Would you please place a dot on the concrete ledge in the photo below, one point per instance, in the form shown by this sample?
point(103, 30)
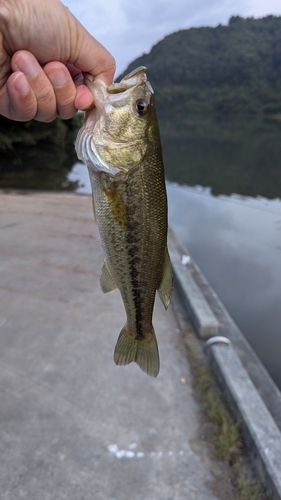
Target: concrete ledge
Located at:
point(257, 425)
point(201, 315)
point(251, 393)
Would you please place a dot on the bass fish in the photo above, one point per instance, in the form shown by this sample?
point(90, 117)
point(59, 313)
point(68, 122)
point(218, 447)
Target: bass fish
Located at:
point(120, 144)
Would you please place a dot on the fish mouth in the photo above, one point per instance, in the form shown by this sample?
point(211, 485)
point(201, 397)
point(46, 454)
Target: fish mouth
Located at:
point(136, 76)
point(103, 93)
point(133, 79)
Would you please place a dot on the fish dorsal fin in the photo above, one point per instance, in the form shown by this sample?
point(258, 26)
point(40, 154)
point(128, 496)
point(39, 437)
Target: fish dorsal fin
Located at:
point(107, 282)
point(166, 286)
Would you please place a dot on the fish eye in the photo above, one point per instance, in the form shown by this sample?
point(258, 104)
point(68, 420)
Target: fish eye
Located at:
point(141, 107)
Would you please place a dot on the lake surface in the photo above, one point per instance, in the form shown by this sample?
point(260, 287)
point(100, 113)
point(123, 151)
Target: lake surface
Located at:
point(236, 241)
point(234, 238)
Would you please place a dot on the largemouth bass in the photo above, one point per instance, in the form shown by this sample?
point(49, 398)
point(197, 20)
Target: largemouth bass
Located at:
point(120, 143)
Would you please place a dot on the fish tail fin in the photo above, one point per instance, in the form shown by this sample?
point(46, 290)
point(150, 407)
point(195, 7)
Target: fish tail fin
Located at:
point(144, 352)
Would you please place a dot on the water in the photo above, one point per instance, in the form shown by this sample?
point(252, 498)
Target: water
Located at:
point(234, 238)
point(236, 241)
point(45, 167)
point(79, 174)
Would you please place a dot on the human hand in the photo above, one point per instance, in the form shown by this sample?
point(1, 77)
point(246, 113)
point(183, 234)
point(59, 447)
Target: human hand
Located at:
point(43, 52)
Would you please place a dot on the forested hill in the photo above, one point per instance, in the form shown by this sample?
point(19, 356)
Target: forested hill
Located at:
point(221, 72)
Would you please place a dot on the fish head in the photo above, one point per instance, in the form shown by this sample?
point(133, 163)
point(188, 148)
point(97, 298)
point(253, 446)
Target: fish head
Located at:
point(116, 133)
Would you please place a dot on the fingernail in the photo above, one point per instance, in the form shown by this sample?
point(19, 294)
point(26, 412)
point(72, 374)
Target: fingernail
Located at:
point(27, 65)
point(21, 84)
point(57, 77)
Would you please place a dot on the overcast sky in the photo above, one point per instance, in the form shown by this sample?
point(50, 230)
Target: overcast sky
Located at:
point(128, 28)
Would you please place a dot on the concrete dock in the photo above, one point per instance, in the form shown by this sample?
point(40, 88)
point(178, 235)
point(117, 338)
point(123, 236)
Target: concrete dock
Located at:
point(73, 425)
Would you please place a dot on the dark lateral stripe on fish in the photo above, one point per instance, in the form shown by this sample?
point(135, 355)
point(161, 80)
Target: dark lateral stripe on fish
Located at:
point(134, 275)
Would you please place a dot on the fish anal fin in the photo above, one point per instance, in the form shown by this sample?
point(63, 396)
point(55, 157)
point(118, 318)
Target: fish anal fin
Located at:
point(144, 352)
point(107, 282)
point(166, 286)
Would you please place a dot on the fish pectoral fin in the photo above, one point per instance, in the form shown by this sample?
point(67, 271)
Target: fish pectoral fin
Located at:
point(144, 352)
point(107, 282)
point(166, 286)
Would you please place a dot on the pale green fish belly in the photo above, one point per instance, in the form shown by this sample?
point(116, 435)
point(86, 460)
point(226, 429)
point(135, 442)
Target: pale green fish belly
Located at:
point(132, 220)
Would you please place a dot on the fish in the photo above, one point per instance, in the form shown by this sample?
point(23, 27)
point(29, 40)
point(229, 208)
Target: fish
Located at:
point(119, 142)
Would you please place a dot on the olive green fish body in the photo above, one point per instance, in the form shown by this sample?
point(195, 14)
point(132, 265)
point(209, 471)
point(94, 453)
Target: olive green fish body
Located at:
point(130, 206)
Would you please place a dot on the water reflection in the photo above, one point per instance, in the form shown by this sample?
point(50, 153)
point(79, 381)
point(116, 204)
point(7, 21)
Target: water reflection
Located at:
point(79, 174)
point(236, 242)
point(234, 157)
point(45, 168)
